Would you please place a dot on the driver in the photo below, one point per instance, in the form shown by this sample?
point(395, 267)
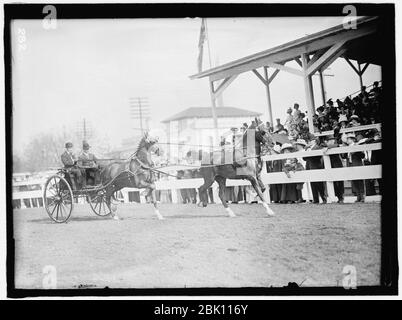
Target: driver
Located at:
point(87, 161)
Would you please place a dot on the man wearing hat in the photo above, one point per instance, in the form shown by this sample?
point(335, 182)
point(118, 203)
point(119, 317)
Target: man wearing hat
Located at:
point(354, 121)
point(300, 145)
point(336, 162)
point(355, 160)
point(279, 126)
point(87, 161)
point(69, 161)
point(312, 163)
point(289, 192)
point(275, 190)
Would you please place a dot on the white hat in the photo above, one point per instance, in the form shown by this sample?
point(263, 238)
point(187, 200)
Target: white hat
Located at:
point(350, 135)
point(354, 116)
point(342, 118)
point(361, 141)
point(277, 148)
point(302, 142)
point(286, 146)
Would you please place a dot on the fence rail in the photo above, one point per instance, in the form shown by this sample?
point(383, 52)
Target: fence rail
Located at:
point(328, 174)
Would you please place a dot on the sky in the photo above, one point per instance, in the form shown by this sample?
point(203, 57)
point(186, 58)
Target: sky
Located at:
point(90, 68)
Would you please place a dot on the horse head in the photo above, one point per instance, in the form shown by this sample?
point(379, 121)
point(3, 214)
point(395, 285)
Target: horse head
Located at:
point(150, 142)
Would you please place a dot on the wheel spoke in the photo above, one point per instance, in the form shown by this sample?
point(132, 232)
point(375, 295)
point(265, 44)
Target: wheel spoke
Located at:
point(57, 214)
point(66, 208)
point(54, 209)
point(51, 203)
point(56, 186)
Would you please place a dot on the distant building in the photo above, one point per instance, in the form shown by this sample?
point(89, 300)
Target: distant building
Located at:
point(194, 126)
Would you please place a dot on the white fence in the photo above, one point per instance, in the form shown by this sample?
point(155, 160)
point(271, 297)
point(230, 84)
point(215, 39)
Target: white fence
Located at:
point(328, 174)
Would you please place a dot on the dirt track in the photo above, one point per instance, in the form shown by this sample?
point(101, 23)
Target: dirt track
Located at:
point(200, 247)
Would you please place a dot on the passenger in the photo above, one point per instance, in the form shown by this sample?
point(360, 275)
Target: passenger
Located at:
point(69, 161)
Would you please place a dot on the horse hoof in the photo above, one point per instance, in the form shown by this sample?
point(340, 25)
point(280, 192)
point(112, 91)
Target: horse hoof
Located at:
point(158, 214)
point(269, 210)
point(230, 212)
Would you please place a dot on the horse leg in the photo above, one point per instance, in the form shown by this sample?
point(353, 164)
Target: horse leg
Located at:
point(203, 191)
point(222, 185)
point(254, 183)
point(155, 203)
point(258, 174)
point(113, 208)
point(151, 193)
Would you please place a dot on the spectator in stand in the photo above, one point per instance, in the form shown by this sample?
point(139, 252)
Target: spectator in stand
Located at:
point(354, 121)
point(269, 128)
point(289, 191)
point(275, 190)
point(296, 113)
point(313, 163)
point(375, 155)
point(289, 119)
point(355, 160)
point(279, 126)
point(375, 92)
point(336, 162)
point(293, 133)
point(300, 145)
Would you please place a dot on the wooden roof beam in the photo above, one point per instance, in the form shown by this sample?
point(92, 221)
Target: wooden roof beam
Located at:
point(225, 83)
point(330, 53)
point(287, 55)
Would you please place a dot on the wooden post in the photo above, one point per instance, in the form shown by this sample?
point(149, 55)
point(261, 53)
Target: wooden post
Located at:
point(330, 184)
point(213, 105)
point(173, 193)
point(323, 94)
point(271, 119)
point(308, 87)
point(360, 73)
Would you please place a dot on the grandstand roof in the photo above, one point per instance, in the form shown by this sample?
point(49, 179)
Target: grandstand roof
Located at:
point(206, 112)
point(361, 45)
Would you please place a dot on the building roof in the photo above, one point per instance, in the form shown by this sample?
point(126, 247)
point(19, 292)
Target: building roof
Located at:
point(363, 37)
point(206, 112)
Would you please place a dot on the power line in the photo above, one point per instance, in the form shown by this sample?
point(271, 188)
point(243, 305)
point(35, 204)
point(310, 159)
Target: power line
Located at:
point(139, 110)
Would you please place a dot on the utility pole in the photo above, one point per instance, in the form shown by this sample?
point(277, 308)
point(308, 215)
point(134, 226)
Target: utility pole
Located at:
point(139, 110)
point(84, 129)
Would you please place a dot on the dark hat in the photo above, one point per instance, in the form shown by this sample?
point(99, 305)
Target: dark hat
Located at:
point(85, 145)
point(320, 109)
point(330, 101)
point(69, 145)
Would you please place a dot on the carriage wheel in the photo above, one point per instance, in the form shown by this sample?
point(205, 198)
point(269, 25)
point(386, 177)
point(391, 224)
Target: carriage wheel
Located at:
point(99, 204)
point(58, 199)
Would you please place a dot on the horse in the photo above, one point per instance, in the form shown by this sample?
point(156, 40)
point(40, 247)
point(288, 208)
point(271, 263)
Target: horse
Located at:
point(241, 165)
point(134, 173)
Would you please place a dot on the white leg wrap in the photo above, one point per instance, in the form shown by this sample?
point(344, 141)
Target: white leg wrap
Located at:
point(268, 209)
point(230, 212)
point(158, 214)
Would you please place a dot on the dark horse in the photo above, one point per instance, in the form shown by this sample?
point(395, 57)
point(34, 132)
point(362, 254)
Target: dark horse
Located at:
point(235, 164)
point(133, 173)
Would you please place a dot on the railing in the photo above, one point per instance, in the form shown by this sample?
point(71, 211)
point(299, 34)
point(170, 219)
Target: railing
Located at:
point(328, 174)
point(351, 129)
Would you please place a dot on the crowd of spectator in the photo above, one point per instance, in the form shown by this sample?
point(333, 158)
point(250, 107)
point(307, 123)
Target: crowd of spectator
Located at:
point(362, 109)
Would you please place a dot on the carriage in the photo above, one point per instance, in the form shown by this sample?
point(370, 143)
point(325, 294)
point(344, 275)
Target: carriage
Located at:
point(62, 190)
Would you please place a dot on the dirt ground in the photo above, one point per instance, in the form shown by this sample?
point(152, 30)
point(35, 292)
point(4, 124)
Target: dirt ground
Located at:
point(200, 247)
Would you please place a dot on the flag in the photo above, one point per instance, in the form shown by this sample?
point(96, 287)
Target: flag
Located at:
point(201, 44)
